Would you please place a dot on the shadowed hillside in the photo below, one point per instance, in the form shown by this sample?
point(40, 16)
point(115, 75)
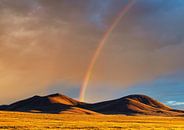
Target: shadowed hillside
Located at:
point(133, 105)
point(55, 103)
point(129, 105)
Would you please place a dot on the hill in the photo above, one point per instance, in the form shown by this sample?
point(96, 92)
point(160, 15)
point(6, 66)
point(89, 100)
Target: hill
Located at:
point(57, 103)
point(133, 105)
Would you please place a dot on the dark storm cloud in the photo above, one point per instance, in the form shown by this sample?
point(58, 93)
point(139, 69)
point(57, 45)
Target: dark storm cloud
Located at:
point(43, 42)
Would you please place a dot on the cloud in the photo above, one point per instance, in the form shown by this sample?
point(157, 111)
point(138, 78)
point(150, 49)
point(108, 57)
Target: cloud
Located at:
point(174, 103)
point(44, 42)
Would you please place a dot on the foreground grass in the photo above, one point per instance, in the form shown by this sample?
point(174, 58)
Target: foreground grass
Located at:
point(23, 121)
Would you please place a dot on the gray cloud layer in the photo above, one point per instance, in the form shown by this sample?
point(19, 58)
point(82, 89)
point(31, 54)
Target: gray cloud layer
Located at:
point(43, 42)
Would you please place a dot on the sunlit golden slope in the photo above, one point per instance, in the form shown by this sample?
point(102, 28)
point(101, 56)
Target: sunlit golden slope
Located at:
point(21, 121)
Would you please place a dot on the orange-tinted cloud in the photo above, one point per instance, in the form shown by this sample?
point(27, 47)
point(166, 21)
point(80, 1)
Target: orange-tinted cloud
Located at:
point(46, 42)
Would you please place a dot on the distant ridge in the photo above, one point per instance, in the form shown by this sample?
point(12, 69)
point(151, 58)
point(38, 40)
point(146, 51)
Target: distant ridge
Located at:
point(58, 103)
point(55, 103)
point(133, 105)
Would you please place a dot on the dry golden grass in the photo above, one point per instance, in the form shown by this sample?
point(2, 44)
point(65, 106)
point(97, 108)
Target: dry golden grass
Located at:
point(23, 121)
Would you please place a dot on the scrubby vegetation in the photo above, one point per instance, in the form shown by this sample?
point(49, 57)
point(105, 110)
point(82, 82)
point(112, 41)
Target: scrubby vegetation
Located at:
point(19, 120)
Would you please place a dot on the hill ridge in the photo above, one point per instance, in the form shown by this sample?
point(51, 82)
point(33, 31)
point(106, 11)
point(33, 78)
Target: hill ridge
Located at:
point(136, 104)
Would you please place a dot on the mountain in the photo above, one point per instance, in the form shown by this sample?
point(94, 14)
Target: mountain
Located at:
point(133, 105)
point(55, 103)
point(129, 105)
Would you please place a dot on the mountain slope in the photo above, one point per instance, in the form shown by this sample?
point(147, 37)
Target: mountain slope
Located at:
point(55, 103)
point(129, 105)
point(133, 105)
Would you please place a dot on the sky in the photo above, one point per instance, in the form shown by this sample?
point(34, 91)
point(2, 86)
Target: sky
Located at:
point(46, 47)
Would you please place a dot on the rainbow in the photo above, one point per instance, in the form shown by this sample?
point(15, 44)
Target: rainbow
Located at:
point(100, 47)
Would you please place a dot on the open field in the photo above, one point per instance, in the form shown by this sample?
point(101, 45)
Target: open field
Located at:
point(16, 120)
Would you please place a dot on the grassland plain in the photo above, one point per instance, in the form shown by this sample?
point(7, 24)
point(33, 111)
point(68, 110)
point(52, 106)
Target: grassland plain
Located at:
point(29, 121)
